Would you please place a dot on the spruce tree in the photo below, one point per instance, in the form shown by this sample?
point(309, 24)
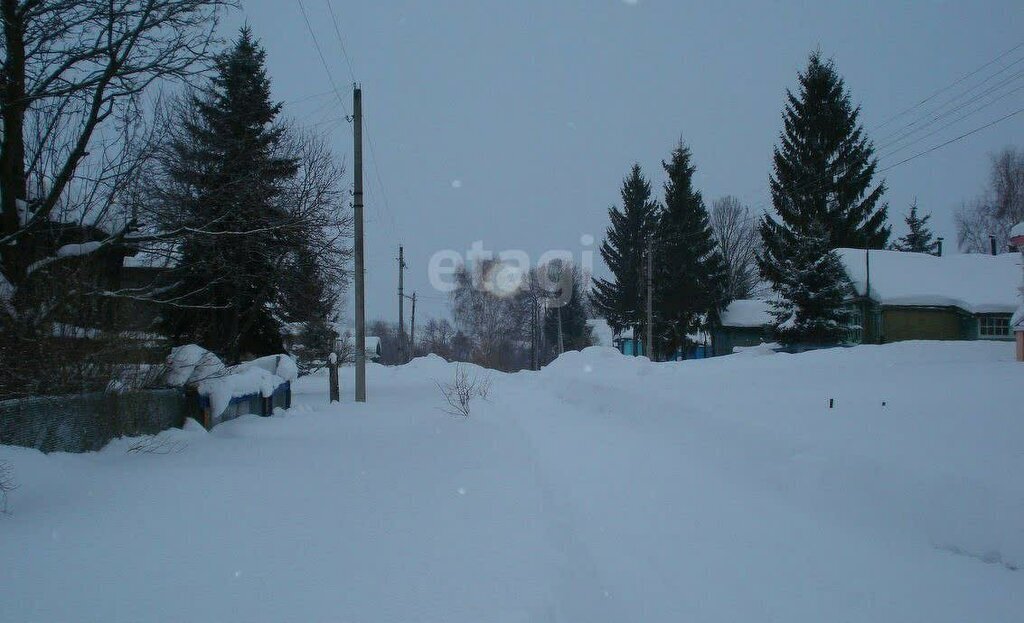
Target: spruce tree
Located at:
point(226, 161)
point(690, 274)
point(919, 238)
point(823, 170)
point(620, 300)
point(809, 308)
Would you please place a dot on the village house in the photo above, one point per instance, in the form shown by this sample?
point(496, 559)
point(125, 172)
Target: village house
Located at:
point(744, 323)
point(916, 296)
point(897, 296)
point(908, 296)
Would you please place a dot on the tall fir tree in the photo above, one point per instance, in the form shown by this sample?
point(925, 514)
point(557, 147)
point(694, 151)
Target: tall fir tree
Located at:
point(690, 274)
point(620, 300)
point(810, 306)
point(227, 162)
point(919, 238)
point(823, 170)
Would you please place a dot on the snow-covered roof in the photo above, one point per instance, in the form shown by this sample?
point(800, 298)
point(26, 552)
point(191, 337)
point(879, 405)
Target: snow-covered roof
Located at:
point(372, 342)
point(747, 313)
point(1017, 231)
point(974, 282)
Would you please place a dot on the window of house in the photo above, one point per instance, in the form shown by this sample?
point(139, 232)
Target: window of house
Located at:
point(994, 326)
point(855, 332)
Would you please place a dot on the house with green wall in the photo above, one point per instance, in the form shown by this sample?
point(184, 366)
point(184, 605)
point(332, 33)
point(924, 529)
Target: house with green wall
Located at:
point(744, 323)
point(916, 296)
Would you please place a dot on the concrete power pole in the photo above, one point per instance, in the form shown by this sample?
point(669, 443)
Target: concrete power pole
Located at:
point(533, 336)
point(357, 207)
point(561, 348)
point(542, 337)
point(412, 328)
point(649, 338)
point(401, 304)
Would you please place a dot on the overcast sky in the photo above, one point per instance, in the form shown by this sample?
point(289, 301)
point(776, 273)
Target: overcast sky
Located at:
point(514, 122)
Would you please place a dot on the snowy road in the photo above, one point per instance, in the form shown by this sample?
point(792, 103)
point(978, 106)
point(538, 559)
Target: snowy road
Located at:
point(600, 489)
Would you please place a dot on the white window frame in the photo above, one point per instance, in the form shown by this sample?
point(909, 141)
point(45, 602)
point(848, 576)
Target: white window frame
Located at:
point(994, 319)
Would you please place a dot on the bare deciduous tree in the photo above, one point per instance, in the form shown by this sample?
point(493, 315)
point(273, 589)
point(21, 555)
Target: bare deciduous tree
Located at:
point(437, 338)
point(738, 240)
point(74, 73)
point(75, 133)
point(997, 209)
point(462, 390)
point(492, 305)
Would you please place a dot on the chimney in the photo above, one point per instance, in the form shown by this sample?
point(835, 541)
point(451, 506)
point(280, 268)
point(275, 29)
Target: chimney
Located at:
point(992, 243)
point(939, 253)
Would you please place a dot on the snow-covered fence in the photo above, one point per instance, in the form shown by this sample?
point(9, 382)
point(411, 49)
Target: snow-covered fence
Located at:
point(201, 387)
point(86, 422)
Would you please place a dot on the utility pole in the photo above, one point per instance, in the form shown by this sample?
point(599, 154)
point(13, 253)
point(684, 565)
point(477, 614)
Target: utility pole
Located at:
point(412, 328)
point(649, 344)
point(357, 208)
point(401, 304)
point(561, 349)
point(533, 336)
point(543, 331)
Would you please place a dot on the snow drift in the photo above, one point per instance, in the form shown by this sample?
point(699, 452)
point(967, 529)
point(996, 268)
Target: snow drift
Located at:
point(603, 488)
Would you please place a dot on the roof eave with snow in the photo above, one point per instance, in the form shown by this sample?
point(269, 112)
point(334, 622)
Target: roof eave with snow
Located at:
point(975, 283)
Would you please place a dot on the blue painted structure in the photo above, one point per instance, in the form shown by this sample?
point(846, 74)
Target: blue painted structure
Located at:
point(255, 404)
point(629, 346)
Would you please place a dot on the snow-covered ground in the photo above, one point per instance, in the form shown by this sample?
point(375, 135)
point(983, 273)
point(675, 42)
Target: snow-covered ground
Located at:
point(603, 488)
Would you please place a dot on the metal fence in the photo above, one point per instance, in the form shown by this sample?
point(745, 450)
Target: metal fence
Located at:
point(86, 422)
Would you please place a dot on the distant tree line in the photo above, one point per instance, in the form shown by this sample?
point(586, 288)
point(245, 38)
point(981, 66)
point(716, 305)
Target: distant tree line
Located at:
point(504, 316)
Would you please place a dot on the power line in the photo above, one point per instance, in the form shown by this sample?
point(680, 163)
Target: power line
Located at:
point(904, 131)
point(951, 123)
point(762, 204)
point(953, 140)
point(369, 135)
point(299, 100)
point(323, 60)
point(951, 85)
point(936, 114)
point(341, 42)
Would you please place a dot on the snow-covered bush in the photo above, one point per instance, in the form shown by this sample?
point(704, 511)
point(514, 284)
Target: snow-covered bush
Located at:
point(461, 391)
point(190, 364)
